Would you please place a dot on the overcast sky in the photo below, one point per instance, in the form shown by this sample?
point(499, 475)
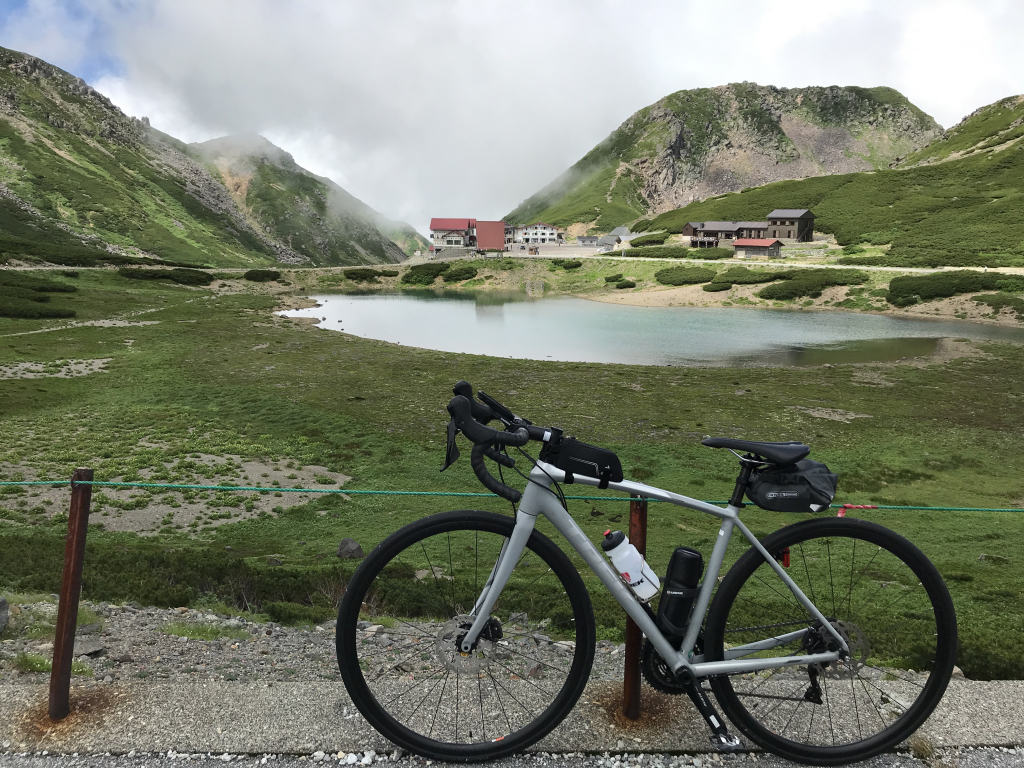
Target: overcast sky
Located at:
point(445, 108)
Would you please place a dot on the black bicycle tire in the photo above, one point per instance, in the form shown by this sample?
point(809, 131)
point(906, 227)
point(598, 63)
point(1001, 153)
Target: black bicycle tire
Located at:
point(386, 724)
point(946, 646)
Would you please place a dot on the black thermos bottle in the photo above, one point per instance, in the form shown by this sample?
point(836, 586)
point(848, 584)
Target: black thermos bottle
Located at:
point(680, 590)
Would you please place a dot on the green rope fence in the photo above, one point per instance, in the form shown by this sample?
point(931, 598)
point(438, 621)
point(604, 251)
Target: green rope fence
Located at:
point(354, 492)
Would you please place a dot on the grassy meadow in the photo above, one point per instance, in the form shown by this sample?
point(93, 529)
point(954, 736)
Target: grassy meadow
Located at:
point(200, 382)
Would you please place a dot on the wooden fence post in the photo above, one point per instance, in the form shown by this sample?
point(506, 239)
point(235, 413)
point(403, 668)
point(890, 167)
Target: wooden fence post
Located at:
point(70, 591)
point(634, 638)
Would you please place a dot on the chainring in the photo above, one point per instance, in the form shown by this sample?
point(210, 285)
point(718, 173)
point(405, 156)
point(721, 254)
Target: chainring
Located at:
point(657, 672)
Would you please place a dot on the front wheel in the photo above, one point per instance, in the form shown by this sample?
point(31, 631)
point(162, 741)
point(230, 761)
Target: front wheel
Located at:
point(406, 609)
point(886, 600)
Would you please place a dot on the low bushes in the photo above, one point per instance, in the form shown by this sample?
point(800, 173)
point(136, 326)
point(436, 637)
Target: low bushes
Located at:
point(568, 264)
point(810, 282)
point(368, 275)
point(262, 275)
point(21, 296)
point(613, 278)
point(744, 276)
point(641, 226)
point(717, 287)
point(910, 289)
point(460, 272)
point(930, 259)
point(658, 252)
point(1000, 301)
point(625, 284)
point(656, 239)
point(180, 276)
point(425, 274)
point(294, 613)
point(684, 275)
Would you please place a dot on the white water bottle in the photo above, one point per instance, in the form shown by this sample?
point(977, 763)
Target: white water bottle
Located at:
point(630, 565)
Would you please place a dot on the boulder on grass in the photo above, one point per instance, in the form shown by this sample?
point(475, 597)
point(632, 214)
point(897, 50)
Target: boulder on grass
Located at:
point(349, 549)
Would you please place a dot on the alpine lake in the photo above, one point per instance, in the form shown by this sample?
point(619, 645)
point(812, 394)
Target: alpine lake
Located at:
point(514, 325)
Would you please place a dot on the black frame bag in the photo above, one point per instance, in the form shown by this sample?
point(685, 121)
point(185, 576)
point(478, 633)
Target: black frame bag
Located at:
point(806, 486)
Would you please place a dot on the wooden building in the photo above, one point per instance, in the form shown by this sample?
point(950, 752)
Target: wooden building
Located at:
point(791, 224)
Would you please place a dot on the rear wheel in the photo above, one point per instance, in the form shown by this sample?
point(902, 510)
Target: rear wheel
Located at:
point(409, 604)
point(887, 601)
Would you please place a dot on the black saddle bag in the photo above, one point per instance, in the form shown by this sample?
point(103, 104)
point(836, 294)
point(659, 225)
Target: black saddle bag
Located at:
point(806, 486)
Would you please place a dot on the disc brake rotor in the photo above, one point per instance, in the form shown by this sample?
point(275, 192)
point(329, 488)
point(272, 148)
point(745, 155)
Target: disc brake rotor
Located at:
point(845, 667)
point(446, 648)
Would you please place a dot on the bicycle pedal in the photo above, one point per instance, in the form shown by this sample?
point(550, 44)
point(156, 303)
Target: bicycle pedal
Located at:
point(726, 742)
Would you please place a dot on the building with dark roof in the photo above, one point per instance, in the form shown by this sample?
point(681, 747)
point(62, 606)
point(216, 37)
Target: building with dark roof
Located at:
point(791, 224)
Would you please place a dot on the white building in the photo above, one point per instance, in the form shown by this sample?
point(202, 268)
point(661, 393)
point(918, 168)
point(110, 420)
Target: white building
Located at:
point(539, 233)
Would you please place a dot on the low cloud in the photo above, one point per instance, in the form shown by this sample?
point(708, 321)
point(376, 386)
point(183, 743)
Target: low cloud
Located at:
point(465, 108)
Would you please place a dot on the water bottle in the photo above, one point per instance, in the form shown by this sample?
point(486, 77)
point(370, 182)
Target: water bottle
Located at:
point(685, 568)
point(632, 567)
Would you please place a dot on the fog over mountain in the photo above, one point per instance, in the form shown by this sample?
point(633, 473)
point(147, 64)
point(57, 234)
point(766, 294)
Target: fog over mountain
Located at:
point(466, 108)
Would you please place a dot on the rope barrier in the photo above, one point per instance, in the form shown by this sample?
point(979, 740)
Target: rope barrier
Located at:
point(354, 492)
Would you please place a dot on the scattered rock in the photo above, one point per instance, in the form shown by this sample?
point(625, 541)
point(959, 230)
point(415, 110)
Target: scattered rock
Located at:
point(984, 558)
point(957, 672)
point(87, 629)
point(349, 549)
point(274, 561)
point(89, 646)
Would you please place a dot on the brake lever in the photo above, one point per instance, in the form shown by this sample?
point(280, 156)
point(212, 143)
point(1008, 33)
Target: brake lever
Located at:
point(451, 453)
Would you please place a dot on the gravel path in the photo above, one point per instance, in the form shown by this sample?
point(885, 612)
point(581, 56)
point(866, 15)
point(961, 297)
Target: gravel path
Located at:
point(956, 758)
point(128, 642)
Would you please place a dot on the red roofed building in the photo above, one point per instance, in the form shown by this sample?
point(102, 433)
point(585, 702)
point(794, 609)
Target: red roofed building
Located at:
point(751, 248)
point(453, 233)
point(490, 235)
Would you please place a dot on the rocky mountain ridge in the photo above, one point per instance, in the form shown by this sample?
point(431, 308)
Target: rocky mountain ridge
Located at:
point(80, 181)
point(699, 143)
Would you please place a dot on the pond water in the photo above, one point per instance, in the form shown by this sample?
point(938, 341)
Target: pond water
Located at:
point(577, 330)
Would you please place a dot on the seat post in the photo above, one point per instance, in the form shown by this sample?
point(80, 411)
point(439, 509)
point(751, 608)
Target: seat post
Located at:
point(741, 484)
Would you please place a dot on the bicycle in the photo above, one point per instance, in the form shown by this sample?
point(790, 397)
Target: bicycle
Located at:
point(468, 635)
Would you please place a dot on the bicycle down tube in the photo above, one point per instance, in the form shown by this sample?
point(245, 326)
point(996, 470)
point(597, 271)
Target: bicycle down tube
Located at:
point(539, 500)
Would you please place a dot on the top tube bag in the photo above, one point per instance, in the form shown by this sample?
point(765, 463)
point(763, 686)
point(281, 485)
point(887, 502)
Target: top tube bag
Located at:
point(806, 486)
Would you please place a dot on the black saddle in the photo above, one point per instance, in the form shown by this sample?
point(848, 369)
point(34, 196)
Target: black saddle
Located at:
point(773, 453)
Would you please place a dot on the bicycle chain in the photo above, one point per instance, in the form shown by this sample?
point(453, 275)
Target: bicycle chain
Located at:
point(657, 673)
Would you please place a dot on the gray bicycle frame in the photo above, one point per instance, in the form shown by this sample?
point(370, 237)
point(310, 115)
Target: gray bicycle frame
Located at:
point(538, 499)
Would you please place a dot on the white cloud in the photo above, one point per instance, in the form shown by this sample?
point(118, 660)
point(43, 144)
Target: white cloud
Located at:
point(460, 107)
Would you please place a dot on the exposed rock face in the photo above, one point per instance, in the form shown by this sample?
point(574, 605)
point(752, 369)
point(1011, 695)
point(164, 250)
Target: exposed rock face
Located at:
point(696, 144)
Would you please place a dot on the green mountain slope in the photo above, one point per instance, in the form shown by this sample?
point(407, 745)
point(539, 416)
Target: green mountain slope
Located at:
point(82, 183)
point(984, 130)
point(693, 144)
point(963, 211)
point(310, 214)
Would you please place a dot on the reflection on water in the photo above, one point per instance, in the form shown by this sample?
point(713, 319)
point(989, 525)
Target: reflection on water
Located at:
point(512, 324)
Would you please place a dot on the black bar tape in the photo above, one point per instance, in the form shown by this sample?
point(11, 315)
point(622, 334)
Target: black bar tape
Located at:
point(495, 455)
point(476, 461)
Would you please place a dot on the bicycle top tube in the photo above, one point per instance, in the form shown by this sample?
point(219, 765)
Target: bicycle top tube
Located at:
point(543, 472)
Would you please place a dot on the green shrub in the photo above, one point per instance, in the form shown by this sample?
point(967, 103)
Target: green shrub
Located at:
point(13, 307)
point(388, 272)
point(207, 632)
point(69, 273)
point(362, 275)
point(625, 284)
point(613, 278)
point(655, 239)
point(425, 274)
point(11, 282)
point(910, 289)
point(459, 272)
point(744, 276)
point(659, 252)
point(568, 264)
point(717, 287)
point(640, 226)
point(1001, 301)
point(849, 250)
point(810, 282)
point(715, 254)
point(180, 276)
point(293, 613)
point(684, 275)
point(262, 275)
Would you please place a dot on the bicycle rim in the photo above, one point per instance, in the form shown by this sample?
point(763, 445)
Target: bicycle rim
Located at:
point(890, 605)
point(409, 604)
